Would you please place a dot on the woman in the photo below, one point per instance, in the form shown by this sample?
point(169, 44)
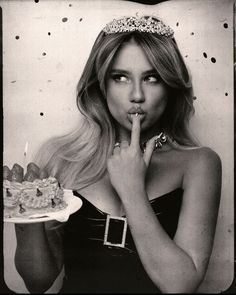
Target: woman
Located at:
point(150, 194)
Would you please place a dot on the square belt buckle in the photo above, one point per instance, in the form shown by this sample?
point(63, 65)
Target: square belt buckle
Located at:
point(115, 231)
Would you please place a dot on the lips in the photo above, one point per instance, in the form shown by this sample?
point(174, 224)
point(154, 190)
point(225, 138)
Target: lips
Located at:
point(136, 111)
point(133, 111)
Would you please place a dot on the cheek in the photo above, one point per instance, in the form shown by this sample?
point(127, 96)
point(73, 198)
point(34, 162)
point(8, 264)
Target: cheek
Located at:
point(113, 106)
point(158, 99)
point(115, 99)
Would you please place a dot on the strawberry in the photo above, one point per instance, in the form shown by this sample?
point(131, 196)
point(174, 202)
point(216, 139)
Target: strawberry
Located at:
point(43, 174)
point(33, 167)
point(30, 176)
point(7, 174)
point(17, 173)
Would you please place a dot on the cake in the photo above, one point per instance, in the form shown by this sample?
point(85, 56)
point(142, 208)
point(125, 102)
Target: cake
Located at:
point(30, 193)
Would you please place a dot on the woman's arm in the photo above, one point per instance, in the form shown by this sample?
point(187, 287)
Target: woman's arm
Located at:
point(179, 265)
point(38, 256)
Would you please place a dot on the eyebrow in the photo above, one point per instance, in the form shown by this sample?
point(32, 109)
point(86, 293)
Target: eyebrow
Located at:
point(120, 71)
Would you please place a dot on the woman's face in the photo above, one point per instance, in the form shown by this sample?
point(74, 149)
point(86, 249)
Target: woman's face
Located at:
point(134, 86)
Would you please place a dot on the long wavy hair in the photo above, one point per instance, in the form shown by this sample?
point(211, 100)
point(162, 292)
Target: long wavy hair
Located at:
point(79, 158)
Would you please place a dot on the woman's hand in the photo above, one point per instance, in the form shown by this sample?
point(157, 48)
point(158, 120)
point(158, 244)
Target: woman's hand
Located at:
point(128, 165)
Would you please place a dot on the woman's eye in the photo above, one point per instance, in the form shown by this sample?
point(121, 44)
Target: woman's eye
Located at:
point(152, 79)
point(120, 78)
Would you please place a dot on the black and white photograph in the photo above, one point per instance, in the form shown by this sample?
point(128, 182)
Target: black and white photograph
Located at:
point(118, 146)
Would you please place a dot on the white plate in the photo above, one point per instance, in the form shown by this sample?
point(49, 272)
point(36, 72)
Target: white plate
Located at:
point(73, 204)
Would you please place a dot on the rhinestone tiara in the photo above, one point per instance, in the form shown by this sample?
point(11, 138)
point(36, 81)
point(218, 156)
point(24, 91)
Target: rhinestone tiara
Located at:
point(141, 24)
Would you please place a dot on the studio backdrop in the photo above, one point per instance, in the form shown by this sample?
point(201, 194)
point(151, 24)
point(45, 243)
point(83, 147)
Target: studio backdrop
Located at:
point(45, 47)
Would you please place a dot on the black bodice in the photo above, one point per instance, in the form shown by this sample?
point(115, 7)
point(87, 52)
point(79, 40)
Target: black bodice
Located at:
point(92, 267)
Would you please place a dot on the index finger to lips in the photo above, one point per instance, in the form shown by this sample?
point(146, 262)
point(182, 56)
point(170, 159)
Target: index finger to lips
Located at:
point(135, 132)
point(116, 148)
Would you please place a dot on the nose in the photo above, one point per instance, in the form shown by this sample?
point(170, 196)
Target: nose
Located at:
point(137, 94)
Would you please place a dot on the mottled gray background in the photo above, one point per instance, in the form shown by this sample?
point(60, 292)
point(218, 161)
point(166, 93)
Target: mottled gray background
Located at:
point(45, 46)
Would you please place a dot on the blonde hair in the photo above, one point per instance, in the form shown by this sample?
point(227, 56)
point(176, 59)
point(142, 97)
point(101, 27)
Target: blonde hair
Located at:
point(79, 158)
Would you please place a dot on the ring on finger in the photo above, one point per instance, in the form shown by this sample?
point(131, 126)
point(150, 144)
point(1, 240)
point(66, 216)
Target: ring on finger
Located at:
point(117, 145)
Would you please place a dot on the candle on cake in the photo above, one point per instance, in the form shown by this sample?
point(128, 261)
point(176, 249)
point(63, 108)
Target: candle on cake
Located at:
point(25, 156)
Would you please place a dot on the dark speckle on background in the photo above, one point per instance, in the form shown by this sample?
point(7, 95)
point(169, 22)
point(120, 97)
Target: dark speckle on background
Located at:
point(70, 5)
point(80, 19)
point(226, 94)
point(41, 114)
point(17, 37)
point(49, 33)
point(186, 55)
point(204, 54)
point(13, 81)
point(192, 33)
point(49, 80)
point(36, 1)
point(44, 53)
point(177, 24)
point(213, 59)
point(65, 19)
point(225, 25)
point(194, 97)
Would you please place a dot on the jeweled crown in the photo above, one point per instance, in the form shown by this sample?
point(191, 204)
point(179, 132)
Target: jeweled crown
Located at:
point(142, 24)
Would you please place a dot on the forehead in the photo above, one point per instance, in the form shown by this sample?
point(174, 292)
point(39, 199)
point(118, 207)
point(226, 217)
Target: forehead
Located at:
point(131, 56)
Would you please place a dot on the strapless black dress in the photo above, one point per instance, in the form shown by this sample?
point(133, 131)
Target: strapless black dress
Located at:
point(92, 267)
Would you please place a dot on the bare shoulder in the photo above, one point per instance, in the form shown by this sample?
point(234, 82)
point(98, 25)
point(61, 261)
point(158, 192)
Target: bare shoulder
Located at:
point(203, 154)
point(204, 157)
point(203, 167)
point(191, 158)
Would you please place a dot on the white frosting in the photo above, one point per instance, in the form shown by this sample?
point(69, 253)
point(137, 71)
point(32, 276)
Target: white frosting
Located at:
point(37, 183)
